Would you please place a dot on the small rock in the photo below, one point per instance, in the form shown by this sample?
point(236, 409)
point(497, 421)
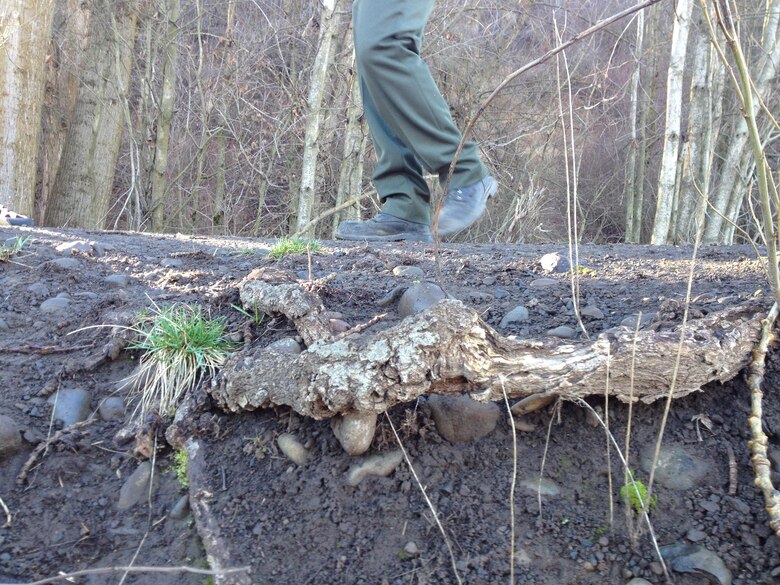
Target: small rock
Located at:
point(546, 487)
point(522, 558)
point(691, 558)
point(55, 305)
point(76, 247)
point(554, 262)
point(180, 509)
point(112, 408)
point(460, 419)
point(38, 289)
point(631, 321)
point(677, 468)
point(709, 506)
point(136, 487)
point(71, 405)
point(564, 332)
point(419, 297)
point(354, 431)
point(696, 535)
point(592, 311)
point(116, 280)
point(532, 403)
point(292, 448)
point(412, 272)
point(489, 280)
point(543, 283)
point(172, 262)
point(639, 581)
point(516, 315)
point(376, 465)
point(603, 541)
point(338, 325)
point(3, 325)
point(524, 426)
point(589, 567)
point(411, 548)
point(10, 436)
point(65, 263)
point(501, 293)
point(286, 345)
point(739, 505)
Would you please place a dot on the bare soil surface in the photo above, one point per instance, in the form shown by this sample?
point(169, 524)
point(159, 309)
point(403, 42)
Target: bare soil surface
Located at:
point(295, 524)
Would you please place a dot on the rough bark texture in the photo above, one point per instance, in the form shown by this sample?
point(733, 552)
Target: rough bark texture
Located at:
point(25, 29)
point(448, 349)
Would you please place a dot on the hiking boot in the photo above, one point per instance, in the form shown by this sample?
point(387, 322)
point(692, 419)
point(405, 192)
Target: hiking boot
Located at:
point(465, 205)
point(8, 217)
point(384, 228)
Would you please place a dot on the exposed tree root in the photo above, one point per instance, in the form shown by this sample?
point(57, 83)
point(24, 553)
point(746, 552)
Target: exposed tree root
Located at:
point(448, 349)
point(758, 443)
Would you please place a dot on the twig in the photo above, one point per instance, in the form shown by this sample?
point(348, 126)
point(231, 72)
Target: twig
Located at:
point(43, 350)
point(427, 500)
point(7, 514)
point(732, 470)
point(511, 489)
point(22, 477)
point(328, 213)
point(361, 326)
point(758, 442)
point(139, 569)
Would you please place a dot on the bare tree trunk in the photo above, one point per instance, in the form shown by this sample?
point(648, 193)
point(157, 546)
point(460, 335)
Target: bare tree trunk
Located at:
point(25, 30)
point(69, 33)
point(83, 187)
point(307, 196)
point(696, 148)
point(732, 187)
point(163, 124)
point(355, 141)
point(668, 172)
point(632, 187)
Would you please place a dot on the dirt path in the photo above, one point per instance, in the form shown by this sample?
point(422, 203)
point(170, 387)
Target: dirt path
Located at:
point(305, 524)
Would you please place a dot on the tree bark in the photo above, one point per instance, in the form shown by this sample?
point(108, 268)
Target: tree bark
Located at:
point(307, 195)
point(632, 186)
point(163, 124)
point(448, 349)
point(83, 187)
point(25, 30)
point(668, 172)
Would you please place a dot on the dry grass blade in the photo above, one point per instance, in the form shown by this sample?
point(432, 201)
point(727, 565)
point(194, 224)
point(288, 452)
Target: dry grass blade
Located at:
point(512, 489)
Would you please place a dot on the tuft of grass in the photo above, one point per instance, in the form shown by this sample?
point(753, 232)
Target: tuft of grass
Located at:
point(11, 247)
point(634, 494)
point(256, 316)
point(181, 462)
point(180, 344)
point(287, 246)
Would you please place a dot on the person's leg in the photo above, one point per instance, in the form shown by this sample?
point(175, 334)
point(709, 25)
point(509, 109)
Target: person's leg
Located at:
point(403, 95)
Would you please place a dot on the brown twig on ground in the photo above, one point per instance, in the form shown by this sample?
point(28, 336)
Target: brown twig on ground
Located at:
point(758, 442)
point(44, 349)
point(139, 569)
point(732, 470)
point(361, 326)
point(22, 477)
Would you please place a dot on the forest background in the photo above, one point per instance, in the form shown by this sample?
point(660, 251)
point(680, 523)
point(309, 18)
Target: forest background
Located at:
point(243, 117)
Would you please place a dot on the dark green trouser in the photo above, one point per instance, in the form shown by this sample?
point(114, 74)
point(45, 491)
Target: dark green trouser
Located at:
point(410, 122)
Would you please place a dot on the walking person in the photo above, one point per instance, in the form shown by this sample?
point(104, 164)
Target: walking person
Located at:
point(411, 128)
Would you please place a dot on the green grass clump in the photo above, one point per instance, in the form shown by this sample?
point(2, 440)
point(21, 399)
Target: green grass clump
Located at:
point(11, 247)
point(634, 491)
point(287, 246)
point(180, 344)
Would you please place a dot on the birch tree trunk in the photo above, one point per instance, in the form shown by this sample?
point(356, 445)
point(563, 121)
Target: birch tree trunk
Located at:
point(25, 30)
point(632, 187)
point(732, 187)
point(162, 140)
point(668, 172)
point(83, 186)
point(307, 195)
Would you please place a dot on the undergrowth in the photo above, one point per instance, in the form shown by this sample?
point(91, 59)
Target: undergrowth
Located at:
point(11, 247)
point(287, 246)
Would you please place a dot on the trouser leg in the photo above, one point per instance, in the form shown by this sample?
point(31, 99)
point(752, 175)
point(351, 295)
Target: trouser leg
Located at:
point(410, 122)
